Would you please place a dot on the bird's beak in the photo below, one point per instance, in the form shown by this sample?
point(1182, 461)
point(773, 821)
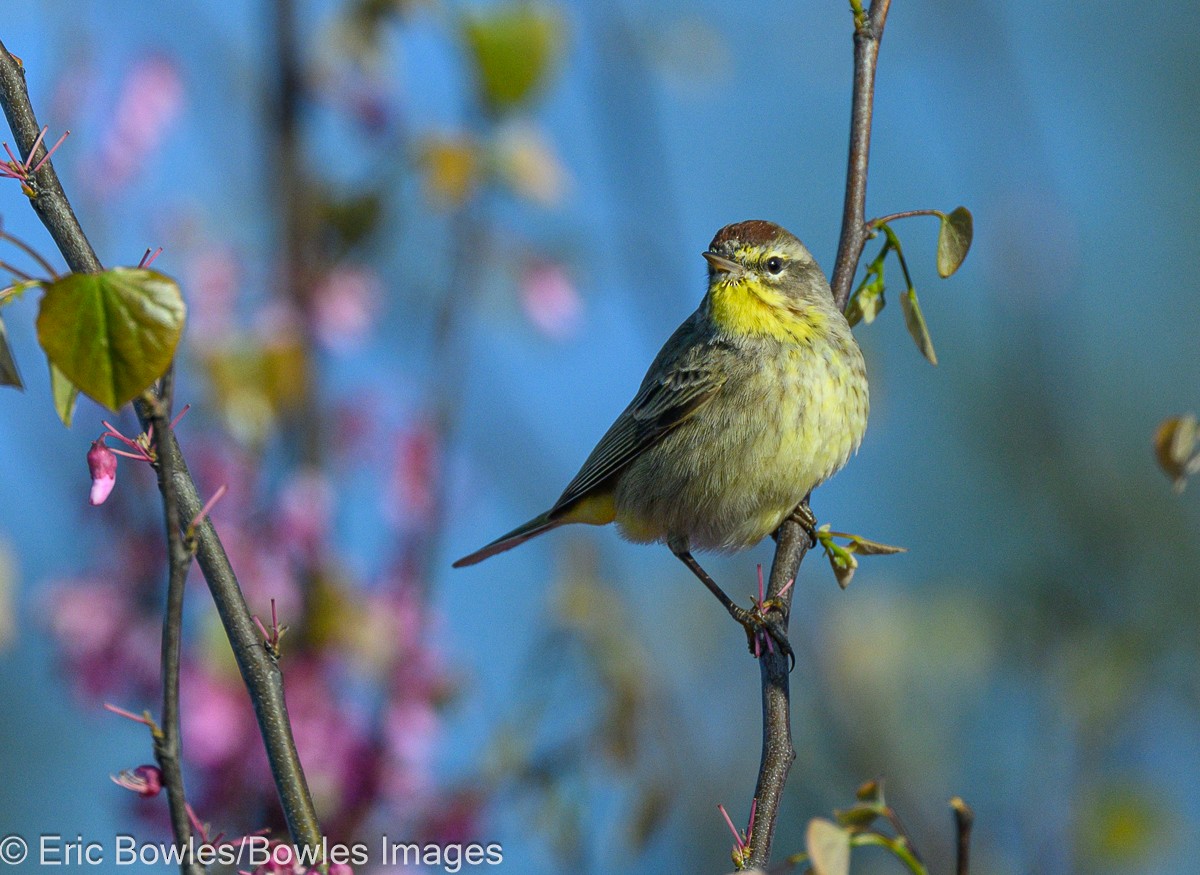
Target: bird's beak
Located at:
point(720, 264)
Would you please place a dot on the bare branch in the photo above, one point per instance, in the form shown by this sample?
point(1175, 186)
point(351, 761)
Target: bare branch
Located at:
point(167, 742)
point(259, 672)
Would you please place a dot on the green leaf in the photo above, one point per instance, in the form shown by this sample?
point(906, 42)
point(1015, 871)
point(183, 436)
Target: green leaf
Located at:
point(112, 334)
point(954, 240)
point(64, 393)
point(514, 46)
point(857, 818)
point(867, 300)
point(9, 374)
point(916, 325)
point(828, 847)
point(863, 547)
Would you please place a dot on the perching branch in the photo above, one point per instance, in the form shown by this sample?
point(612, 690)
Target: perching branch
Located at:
point(778, 752)
point(261, 675)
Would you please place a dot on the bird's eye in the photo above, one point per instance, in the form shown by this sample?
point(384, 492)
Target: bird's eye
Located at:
point(775, 264)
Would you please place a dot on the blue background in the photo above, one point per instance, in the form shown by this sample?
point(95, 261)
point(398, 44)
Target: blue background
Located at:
point(1034, 651)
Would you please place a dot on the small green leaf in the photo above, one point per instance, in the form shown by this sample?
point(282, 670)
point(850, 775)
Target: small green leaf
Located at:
point(954, 240)
point(863, 547)
point(916, 325)
point(828, 847)
point(10, 293)
point(865, 304)
point(514, 46)
point(65, 394)
point(857, 818)
point(867, 301)
point(9, 374)
point(112, 334)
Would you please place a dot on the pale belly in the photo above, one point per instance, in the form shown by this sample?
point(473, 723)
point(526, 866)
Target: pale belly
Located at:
point(728, 476)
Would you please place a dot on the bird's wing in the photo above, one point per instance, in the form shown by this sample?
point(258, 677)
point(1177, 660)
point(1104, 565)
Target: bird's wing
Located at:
point(665, 400)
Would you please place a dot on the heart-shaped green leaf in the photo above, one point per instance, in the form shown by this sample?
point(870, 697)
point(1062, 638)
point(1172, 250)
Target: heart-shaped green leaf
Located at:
point(9, 375)
point(954, 241)
point(65, 394)
point(112, 333)
point(916, 325)
point(828, 847)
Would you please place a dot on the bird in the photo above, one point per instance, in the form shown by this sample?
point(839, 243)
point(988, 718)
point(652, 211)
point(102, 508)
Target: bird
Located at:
point(758, 397)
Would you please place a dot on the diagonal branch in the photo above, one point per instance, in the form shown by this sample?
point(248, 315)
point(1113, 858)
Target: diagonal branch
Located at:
point(778, 752)
point(262, 676)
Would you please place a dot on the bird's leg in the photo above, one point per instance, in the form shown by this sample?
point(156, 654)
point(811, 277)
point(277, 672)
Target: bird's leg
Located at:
point(752, 621)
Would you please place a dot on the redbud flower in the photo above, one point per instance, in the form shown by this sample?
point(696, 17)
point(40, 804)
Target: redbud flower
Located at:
point(146, 781)
point(102, 464)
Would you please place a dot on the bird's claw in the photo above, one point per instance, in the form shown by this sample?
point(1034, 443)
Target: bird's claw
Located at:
point(807, 520)
point(767, 618)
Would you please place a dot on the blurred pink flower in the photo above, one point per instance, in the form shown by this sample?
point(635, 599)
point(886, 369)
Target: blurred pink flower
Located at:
point(108, 648)
point(151, 99)
point(550, 300)
point(411, 499)
point(344, 307)
point(213, 277)
point(102, 465)
point(305, 508)
point(216, 719)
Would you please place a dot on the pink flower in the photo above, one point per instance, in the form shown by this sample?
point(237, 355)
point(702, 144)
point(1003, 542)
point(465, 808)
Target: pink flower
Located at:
point(344, 307)
point(102, 464)
point(550, 300)
point(146, 781)
point(151, 99)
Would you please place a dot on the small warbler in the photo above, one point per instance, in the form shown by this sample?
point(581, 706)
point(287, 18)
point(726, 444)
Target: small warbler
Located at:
point(757, 398)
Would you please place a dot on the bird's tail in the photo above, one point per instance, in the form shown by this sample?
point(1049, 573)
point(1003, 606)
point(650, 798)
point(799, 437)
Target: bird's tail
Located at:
point(519, 535)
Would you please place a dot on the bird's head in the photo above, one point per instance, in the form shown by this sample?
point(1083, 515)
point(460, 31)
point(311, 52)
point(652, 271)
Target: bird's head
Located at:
point(761, 280)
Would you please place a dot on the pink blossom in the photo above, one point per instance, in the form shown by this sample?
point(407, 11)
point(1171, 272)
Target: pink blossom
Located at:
point(218, 726)
point(151, 99)
point(102, 464)
point(550, 300)
point(146, 781)
point(344, 307)
point(414, 476)
point(305, 508)
point(214, 275)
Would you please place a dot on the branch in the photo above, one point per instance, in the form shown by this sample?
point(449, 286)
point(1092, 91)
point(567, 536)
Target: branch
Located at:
point(261, 675)
point(964, 819)
point(792, 542)
point(854, 231)
point(167, 741)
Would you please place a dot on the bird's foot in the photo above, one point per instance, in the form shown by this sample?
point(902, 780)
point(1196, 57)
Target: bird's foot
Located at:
point(808, 521)
point(765, 626)
point(765, 623)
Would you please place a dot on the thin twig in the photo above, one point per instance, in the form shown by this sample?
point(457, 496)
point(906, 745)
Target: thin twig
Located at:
point(854, 234)
point(168, 741)
point(262, 677)
point(964, 819)
point(31, 252)
point(778, 752)
point(892, 217)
